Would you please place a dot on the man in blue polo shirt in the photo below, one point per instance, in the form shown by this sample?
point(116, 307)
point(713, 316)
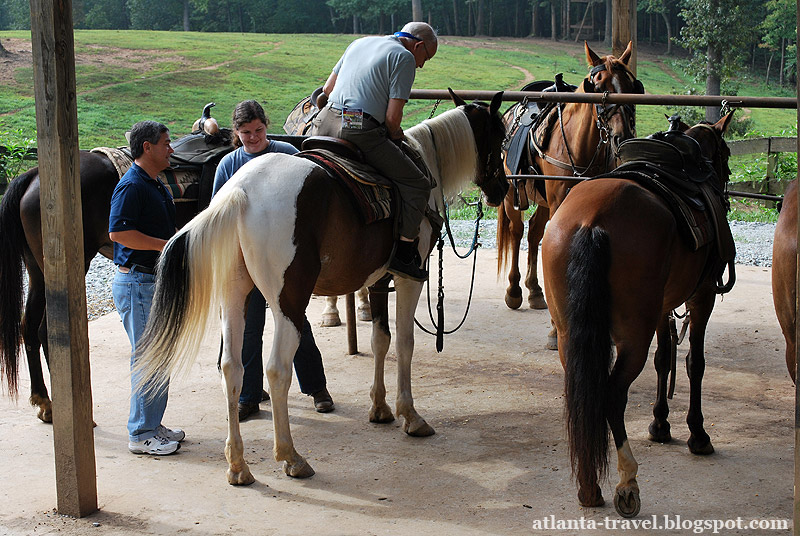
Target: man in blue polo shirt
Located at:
point(142, 219)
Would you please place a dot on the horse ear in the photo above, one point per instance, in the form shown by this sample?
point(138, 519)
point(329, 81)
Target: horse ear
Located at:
point(626, 56)
point(456, 99)
point(724, 122)
point(497, 100)
point(591, 58)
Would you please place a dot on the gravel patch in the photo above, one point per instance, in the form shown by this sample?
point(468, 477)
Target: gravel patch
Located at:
point(753, 247)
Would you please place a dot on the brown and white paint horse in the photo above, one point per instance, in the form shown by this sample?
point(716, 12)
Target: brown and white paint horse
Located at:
point(281, 224)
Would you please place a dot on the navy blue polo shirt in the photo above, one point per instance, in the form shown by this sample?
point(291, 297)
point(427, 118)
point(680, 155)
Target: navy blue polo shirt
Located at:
point(142, 204)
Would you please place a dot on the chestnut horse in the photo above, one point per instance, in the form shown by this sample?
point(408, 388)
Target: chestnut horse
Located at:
point(289, 208)
point(581, 143)
point(614, 267)
point(784, 272)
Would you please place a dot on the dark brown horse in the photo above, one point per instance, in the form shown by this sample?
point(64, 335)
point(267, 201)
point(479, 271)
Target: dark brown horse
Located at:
point(581, 142)
point(615, 265)
point(784, 273)
point(282, 224)
point(21, 244)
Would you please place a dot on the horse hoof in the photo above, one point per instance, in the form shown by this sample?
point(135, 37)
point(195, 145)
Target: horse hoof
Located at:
point(537, 302)
point(552, 343)
point(700, 448)
point(331, 320)
point(365, 314)
point(659, 433)
point(241, 478)
point(627, 502)
point(381, 415)
point(300, 469)
point(593, 499)
point(421, 430)
point(513, 302)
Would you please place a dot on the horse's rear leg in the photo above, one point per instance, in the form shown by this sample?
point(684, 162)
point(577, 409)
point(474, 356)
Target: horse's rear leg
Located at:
point(233, 311)
point(380, 412)
point(279, 373)
point(535, 232)
point(659, 429)
point(700, 307)
point(407, 298)
point(628, 365)
point(34, 335)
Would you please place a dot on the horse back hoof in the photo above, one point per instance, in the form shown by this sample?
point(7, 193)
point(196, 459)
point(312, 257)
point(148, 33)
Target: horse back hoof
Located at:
point(300, 469)
point(241, 478)
point(659, 433)
point(421, 430)
point(513, 302)
point(537, 302)
point(627, 502)
point(700, 448)
point(552, 343)
point(365, 315)
point(381, 415)
point(592, 499)
point(330, 320)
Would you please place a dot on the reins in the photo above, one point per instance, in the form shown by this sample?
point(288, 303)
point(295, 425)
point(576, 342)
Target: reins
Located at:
point(438, 323)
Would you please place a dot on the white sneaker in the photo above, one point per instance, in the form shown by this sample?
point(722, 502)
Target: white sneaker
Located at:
point(176, 434)
point(155, 446)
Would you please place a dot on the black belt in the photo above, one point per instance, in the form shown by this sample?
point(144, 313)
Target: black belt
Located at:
point(143, 269)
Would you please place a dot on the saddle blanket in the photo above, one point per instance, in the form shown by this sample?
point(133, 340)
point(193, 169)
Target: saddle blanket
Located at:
point(371, 192)
point(183, 184)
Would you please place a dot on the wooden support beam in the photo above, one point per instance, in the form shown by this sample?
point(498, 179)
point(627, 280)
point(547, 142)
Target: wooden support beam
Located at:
point(62, 231)
point(623, 29)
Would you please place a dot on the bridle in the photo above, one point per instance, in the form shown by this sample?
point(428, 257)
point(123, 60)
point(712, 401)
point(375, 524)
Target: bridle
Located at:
point(604, 112)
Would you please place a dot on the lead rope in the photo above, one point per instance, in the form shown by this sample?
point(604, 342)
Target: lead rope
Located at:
point(438, 324)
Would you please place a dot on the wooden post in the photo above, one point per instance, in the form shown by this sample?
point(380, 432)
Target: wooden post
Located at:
point(352, 336)
point(796, 509)
point(62, 232)
point(623, 29)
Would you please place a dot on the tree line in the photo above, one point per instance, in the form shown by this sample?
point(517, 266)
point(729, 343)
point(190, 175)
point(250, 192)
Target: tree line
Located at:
point(720, 37)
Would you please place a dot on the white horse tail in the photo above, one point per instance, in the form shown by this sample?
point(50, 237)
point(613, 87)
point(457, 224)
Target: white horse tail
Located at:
point(190, 274)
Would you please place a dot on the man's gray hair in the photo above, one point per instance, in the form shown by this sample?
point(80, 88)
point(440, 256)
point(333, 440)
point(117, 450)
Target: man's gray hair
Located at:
point(145, 131)
point(423, 31)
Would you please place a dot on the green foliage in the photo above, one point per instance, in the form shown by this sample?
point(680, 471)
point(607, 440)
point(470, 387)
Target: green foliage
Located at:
point(724, 24)
point(14, 147)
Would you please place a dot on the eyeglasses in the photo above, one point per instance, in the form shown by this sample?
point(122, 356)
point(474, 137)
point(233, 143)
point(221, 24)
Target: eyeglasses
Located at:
point(427, 54)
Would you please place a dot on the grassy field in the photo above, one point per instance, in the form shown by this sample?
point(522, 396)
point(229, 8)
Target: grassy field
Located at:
point(126, 76)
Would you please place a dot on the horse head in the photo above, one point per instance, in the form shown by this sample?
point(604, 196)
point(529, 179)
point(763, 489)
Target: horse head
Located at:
point(608, 74)
point(489, 131)
point(712, 144)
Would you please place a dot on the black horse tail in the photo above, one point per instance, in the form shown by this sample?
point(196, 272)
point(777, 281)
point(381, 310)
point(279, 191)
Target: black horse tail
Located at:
point(12, 250)
point(588, 351)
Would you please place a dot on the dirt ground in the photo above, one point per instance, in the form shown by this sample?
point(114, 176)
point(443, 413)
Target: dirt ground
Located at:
point(498, 463)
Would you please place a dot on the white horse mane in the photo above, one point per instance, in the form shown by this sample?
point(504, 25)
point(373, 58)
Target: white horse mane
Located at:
point(447, 144)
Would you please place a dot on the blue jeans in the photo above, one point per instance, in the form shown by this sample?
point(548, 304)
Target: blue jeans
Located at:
point(307, 359)
point(133, 295)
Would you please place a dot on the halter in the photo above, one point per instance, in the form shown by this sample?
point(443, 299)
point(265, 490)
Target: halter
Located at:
point(604, 112)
